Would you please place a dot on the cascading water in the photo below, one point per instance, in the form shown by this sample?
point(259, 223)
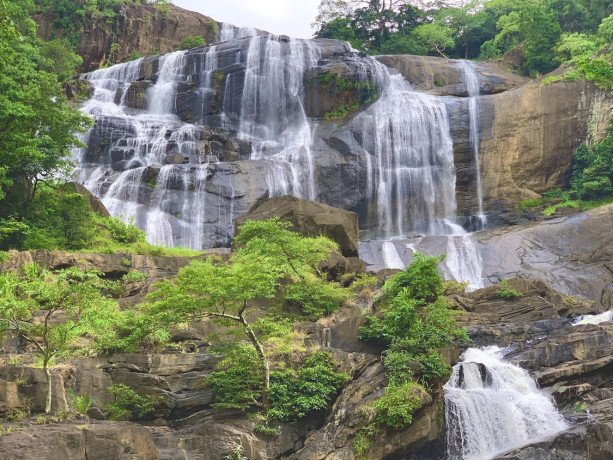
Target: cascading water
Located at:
point(409, 157)
point(273, 115)
point(471, 78)
point(492, 406)
point(594, 319)
point(164, 126)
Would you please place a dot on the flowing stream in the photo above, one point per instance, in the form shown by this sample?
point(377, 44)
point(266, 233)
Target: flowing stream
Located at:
point(492, 406)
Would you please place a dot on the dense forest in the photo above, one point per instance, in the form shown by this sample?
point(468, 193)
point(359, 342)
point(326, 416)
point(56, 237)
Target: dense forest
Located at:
point(539, 35)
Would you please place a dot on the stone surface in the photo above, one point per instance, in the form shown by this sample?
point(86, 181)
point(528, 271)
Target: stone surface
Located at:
point(143, 29)
point(444, 76)
point(311, 219)
point(91, 441)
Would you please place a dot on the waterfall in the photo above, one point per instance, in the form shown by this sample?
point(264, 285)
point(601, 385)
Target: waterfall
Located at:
point(594, 319)
point(406, 136)
point(492, 406)
point(471, 78)
point(273, 115)
point(158, 151)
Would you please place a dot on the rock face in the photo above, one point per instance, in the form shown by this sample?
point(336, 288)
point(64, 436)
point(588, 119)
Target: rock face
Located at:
point(311, 219)
point(528, 136)
point(572, 254)
point(143, 29)
point(444, 77)
point(95, 441)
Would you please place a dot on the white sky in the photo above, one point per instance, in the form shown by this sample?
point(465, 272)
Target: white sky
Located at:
point(281, 17)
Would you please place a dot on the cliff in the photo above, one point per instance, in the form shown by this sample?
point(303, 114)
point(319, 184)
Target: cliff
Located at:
point(142, 29)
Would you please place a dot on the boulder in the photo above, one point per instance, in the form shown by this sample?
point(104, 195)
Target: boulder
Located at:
point(310, 219)
point(96, 205)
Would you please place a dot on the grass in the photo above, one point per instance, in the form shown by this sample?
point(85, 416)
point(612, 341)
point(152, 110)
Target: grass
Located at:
point(554, 199)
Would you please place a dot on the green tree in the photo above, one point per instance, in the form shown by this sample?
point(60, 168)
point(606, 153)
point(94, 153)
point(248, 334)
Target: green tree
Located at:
point(434, 37)
point(37, 127)
point(270, 262)
point(60, 313)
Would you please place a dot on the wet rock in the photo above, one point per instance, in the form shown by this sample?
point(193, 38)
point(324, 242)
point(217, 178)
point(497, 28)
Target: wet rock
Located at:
point(311, 219)
point(176, 159)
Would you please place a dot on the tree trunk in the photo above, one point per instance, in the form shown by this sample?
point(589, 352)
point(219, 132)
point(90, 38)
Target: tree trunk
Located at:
point(260, 351)
point(48, 377)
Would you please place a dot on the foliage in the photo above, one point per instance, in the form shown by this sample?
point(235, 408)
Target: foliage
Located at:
point(451, 287)
point(296, 393)
point(396, 407)
point(530, 29)
point(237, 382)
point(82, 403)
point(129, 405)
point(592, 173)
point(414, 323)
point(270, 262)
point(340, 112)
point(59, 313)
point(421, 279)
point(505, 291)
point(192, 41)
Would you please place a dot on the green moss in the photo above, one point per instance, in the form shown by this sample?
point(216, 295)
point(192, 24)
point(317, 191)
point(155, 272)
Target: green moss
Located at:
point(214, 27)
point(218, 78)
point(341, 112)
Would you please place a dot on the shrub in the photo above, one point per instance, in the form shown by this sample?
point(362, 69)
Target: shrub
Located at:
point(421, 279)
point(129, 405)
point(505, 292)
point(82, 403)
point(192, 41)
point(295, 394)
point(395, 409)
point(124, 232)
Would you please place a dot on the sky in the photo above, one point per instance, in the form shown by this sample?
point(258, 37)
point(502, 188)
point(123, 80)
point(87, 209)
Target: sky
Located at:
point(281, 17)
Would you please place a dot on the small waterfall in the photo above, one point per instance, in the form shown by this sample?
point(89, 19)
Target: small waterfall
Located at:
point(471, 78)
point(390, 255)
point(492, 406)
point(161, 96)
point(594, 319)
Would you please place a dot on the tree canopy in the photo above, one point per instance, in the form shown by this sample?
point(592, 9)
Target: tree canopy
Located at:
point(530, 29)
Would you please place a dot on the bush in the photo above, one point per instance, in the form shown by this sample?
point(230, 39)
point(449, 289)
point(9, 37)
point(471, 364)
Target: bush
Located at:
point(295, 394)
point(129, 405)
point(192, 41)
point(421, 279)
point(124, 232)
point(395, 409)
point(505, 292)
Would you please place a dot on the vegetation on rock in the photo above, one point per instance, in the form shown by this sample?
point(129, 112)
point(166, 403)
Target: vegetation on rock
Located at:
point(413, 323)
point(270, 262)
point(59, 314)
point(591, 181)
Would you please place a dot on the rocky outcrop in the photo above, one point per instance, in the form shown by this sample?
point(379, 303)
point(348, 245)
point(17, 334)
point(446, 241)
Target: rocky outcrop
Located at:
point(143, 29)
point(80, 440)
point(528, 136)
point(444, 76)
point(573, 254)
point(311, 219)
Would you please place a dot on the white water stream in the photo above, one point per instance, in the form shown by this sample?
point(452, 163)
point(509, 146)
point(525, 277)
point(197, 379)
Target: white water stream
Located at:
point(492, 406)
point(471, 78)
